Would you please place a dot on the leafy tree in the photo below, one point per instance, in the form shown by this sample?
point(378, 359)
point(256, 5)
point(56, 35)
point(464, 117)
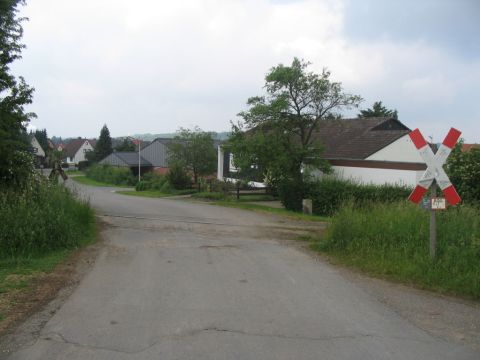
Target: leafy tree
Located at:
point(277, 133)
point(463, 168)
point(194, 150)
point(178, 177)
point(14, 95)
point(42, 138)
point(378, 110)
point(104, 145)
point(126, 145)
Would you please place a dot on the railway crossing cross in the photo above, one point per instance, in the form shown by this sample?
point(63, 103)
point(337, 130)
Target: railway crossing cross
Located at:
point(435, 174)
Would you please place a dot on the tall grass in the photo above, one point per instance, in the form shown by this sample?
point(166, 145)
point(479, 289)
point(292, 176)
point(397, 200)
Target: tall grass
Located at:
point(41, 219)
point(393, 240)
point(111, 175)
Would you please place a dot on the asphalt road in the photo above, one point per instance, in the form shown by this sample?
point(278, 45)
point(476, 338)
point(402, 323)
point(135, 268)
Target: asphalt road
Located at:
point(177, 280)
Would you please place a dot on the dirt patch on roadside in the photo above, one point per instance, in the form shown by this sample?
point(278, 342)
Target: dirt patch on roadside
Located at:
point(43, 295)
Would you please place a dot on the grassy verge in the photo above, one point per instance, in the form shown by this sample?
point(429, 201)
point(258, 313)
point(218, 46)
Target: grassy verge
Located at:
point(87, 181)
point(154, 193)
point(74, 172)
point(244, 202)
point(271, 210)
point(17, 273)
point(41, 226)
point(391, 241)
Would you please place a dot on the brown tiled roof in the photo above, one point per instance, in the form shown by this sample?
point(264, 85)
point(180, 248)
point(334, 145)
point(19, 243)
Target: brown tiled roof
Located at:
point(358, 138)
point(468, 147)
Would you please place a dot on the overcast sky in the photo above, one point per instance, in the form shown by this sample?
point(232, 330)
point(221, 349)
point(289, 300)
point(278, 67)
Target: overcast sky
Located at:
point(154, 66)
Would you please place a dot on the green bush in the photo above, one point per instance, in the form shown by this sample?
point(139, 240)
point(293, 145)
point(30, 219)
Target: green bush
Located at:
point(166, 188)
point(43, 218)
point(151, 181)
point(83, 165)
point(111, 175)
point(393, 240)
point(142, 185)
point(329, 194)
point(463, 168)
point(178, 177)
point(291, 194)
point(222, 186)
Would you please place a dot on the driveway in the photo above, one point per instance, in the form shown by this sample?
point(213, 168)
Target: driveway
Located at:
point(180, 280)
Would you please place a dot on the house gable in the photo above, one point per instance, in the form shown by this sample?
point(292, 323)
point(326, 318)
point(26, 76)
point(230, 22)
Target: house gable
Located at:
point(402, 150)
point(36, 147)
point(76, 150)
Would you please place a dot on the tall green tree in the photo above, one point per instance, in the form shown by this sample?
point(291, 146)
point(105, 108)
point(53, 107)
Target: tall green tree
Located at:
point(14, 95)
point(125, 145)
point(194, 150)
point(42, 138)
point(104, 144)
point(276, 133)
point(378, 110)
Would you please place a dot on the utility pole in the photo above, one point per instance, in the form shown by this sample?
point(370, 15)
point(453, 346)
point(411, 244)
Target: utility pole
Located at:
point(138, 160)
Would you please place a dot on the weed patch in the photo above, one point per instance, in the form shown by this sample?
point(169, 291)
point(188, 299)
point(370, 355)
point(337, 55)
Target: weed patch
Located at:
point(392, 240)
point(111, 175)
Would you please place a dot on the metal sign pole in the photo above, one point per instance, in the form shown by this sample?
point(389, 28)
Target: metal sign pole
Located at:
point(139, 161)
point(433, 176)
point(433, 223)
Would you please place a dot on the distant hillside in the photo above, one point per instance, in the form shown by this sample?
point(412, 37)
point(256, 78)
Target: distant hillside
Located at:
point(150, 137)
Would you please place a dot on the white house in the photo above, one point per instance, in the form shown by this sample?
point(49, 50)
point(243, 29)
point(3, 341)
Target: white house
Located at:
point(366, 150)
point(36, 147)
point(37, 150)
point(76, 150)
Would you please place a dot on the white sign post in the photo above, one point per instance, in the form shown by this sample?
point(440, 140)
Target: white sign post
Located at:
point(435, 175)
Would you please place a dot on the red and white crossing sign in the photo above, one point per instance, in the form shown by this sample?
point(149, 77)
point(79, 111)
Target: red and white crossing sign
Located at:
point(435, 166)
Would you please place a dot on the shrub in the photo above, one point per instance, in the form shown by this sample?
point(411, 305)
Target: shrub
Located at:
point(463, 167)
point(111, 175)
point(151, 181)
point(392, 239)
point(291, 194)
point(142, 185)
point(329, 194)
point(178, 177)
point(43, 218)
point(166, 188)
point(222, 186)
point(83, 165)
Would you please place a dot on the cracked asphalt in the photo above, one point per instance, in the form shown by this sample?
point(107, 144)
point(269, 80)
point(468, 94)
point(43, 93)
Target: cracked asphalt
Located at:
point(180, 280)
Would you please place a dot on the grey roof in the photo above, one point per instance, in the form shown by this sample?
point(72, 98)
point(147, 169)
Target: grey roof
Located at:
point(157, 151)
point(125, 158)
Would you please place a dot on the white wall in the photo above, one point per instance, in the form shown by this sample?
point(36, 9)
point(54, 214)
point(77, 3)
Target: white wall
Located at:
point(37, 148)
point(400, 150)
point(80, 155)
point(378, 176)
